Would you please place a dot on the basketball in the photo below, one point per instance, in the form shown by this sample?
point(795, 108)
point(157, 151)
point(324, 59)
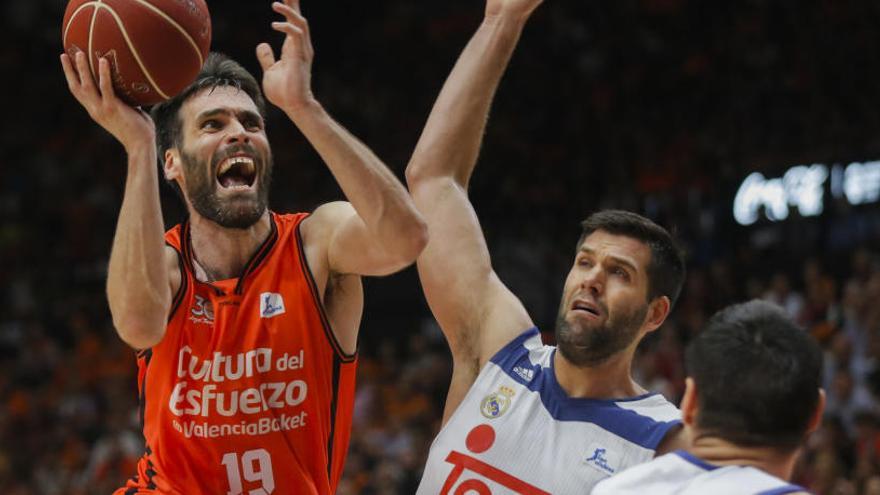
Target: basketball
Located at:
point(155, 47)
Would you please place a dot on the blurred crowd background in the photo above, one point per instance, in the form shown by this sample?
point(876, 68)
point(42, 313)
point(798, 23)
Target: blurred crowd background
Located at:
point(659, 106)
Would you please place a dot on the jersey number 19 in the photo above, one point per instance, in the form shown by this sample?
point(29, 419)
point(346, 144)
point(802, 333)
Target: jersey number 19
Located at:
point(256, 466)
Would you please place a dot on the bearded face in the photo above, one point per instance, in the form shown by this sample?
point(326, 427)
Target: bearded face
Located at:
point(232, 187)
point(605, 300)
point(225, 162)
point(592, 342)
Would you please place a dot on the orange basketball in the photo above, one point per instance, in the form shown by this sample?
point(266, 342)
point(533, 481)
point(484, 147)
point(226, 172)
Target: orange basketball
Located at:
point(155, 47)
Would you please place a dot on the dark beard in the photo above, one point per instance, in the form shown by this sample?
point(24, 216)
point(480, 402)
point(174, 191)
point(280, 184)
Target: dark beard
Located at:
point(587, 347)
point(241, 210)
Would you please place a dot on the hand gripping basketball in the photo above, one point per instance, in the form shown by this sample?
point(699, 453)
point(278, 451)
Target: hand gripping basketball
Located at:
point(130, 126)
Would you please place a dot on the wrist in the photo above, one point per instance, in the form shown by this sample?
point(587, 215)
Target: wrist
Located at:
point(302, 114)
point(307, 109)
point(506, 21)
point(141, 152)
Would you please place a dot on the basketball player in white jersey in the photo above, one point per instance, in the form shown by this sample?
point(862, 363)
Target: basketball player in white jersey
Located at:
point(522, 417)
point(752, 395)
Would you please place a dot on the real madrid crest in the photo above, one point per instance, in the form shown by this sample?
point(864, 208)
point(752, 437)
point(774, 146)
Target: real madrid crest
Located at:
point(494, 405)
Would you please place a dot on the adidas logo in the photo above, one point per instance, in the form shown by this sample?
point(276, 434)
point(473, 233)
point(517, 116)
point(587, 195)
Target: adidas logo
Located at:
point(525, 373)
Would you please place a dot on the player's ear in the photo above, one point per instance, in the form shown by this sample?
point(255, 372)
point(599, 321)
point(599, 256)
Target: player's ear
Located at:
point(658, 310)
point(816, 419)
point(172, 165)
point(689, 402)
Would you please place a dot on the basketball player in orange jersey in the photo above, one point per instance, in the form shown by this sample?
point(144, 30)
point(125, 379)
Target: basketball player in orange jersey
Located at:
point(520, 416)
point(245, 319)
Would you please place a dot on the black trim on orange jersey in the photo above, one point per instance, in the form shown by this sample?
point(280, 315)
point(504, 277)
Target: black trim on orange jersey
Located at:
point(185, 247)
point(313, 287)
point(251, 266)
point(260, 255)
point(333, 402)
point(184, 283)
point(150, 472)
point(147, 355)
point(185, 244)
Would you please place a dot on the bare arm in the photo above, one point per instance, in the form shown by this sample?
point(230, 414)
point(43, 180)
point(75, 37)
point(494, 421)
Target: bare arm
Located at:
point(477, 313)
point(143, 273)
point(381, 232)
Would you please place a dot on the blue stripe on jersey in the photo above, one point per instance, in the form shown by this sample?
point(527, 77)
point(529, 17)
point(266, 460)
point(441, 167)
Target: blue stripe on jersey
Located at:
point(696, 461)
point(630, 425)
point(782, 490)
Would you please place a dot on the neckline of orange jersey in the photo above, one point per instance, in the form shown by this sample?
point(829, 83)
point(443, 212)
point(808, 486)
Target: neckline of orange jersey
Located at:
point(234, 285)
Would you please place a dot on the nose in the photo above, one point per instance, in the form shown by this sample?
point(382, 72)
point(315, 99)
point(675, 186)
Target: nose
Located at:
point(237, 133)
point(594, 280)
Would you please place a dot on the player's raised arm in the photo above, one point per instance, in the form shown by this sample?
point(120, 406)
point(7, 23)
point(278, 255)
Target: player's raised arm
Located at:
point(476, 312)
point(142, 274)
point(381, 231)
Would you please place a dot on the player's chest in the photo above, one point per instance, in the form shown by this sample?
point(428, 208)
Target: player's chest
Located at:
point(266, 308)
point(505, 437)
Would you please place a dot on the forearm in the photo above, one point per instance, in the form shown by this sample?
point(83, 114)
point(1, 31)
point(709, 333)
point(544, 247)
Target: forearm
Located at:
point(137, 282)
point(450, 142)
point(377, 196)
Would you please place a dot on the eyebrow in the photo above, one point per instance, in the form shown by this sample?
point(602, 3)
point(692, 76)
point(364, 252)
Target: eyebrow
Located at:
point(214, 112)
point(619, 259)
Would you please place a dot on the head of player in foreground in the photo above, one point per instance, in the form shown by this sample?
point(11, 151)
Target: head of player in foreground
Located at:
point(753, 387)
point(627, 274)
point(212, 144)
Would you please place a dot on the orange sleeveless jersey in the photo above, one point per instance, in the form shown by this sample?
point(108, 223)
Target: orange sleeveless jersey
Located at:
point(248, 392)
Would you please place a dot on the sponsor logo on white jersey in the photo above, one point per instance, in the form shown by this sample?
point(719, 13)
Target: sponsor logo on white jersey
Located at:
point(601, 459)
point(271, 304)
point(472, 475)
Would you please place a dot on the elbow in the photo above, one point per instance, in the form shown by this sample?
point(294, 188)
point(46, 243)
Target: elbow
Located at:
point(139, 317)
point(139, 332)
point(419, 239)
point(414, 175)
point(424, 182)
point(421, 171)
point(413, 240)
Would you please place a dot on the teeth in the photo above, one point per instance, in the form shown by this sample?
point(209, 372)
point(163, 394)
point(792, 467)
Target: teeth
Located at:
point(247, 162)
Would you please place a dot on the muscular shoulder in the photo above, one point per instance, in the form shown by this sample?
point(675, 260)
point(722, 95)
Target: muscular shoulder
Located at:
point(326, 217)
point(319, 227)
point(341, 294)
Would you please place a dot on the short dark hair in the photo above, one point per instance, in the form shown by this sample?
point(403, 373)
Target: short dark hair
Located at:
point(218, 71)
point(757, 376)
point(666, 270)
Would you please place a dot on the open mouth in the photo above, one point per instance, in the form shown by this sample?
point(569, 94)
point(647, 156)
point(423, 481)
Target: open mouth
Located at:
point(237, 172)
point(586, 307)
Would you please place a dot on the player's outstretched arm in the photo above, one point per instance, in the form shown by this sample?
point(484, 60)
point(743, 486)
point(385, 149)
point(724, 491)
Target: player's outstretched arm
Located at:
point(477, 313)
point(381, 231)
point(143, 273)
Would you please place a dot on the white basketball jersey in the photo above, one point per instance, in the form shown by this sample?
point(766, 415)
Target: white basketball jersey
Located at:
point(681, 473)
point(516, 431)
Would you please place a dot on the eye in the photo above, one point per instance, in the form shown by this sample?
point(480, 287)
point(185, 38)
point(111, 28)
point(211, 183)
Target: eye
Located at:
point(211, 124)
point(620, 272)
point(584, 262)
point(253, 125)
